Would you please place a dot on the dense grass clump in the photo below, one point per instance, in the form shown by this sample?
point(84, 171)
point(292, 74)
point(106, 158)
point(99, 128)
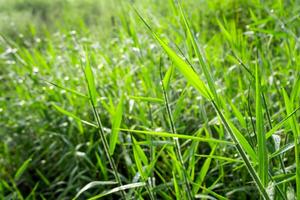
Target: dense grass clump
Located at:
point(149, 99)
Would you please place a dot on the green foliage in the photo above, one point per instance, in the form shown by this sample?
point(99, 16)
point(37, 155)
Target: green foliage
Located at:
point(149, 99)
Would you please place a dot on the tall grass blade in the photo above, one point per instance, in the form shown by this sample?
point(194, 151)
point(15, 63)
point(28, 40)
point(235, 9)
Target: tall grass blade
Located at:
point(261, 138)
point(116, 122)
point(296, 133)
point(92, 93)
point(176, 141)
point(204, 66)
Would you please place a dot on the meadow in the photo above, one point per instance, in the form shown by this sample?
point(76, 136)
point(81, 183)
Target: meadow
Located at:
point(150, 99)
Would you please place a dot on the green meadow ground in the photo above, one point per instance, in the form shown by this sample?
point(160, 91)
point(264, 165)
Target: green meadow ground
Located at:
point(149, 99)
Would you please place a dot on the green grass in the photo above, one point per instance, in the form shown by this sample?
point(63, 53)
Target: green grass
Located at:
point(149, 99)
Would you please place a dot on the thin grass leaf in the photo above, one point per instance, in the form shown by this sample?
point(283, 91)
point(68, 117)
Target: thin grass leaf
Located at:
point(92, 93)
point(204, 169)
point(261, 138)
point(67, 89)
point(90, 81)
point(176, 187)
point(282, 150)
point(176, 141)
point(250, 168)
point(22, 169)
point(281, 123)
point(93, 184)
point(204, 65)
point(118, 189)
point(147, 99)
point(139, 152)
point(296, 133)
point(220, 158)
point(116, 122)
point(167, 77)
point(77, 119)
point(171, 135)
point(183, 67)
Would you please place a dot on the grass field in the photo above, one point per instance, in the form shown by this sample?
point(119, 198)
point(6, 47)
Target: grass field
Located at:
point(149, 99)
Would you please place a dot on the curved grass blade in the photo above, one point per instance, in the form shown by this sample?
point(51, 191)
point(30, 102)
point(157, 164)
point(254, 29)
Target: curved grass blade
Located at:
point(22, 169)
point(63, 111)
point(118, 189)
point(183, 67)
point(204, 65)
point(281, 123)
point(171, 135)
point(93, 184)
point(167, 77)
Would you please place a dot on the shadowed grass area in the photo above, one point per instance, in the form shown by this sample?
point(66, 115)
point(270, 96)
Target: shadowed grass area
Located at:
point(149, 99)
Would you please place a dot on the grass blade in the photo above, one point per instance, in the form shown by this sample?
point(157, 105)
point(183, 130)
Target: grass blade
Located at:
point(203, 64)
point(22, 169)
point(91, 185)
point(296, 133)
point(172, 135)
point(281, 123)
point(261, 138)
point(92, 93)
point(116, 122)
point(183, 67)
point(118, 189)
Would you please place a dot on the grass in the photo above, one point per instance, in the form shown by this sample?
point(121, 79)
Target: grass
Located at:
point(150, 100)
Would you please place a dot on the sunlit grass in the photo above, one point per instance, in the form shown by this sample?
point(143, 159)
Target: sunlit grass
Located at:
point(157, 100)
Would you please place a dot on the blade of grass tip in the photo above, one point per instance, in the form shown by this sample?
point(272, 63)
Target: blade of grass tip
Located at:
point(69, 114)
point(91, 185)
point(22, 169)
point(65, 112)
point(116, 122)
point(90, 82)
point(184, 68)
point(296, 133)
point(92, 93)
point(204, 66)
point(67, 89)
point(281, 123)
point(261, 137)
point(176, 141)
point(167, 77)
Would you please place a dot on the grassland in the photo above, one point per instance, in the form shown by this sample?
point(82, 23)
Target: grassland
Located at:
point(149, 99)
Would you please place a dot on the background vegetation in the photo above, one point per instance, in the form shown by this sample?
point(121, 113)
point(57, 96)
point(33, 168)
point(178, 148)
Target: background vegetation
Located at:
point(172, 101)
